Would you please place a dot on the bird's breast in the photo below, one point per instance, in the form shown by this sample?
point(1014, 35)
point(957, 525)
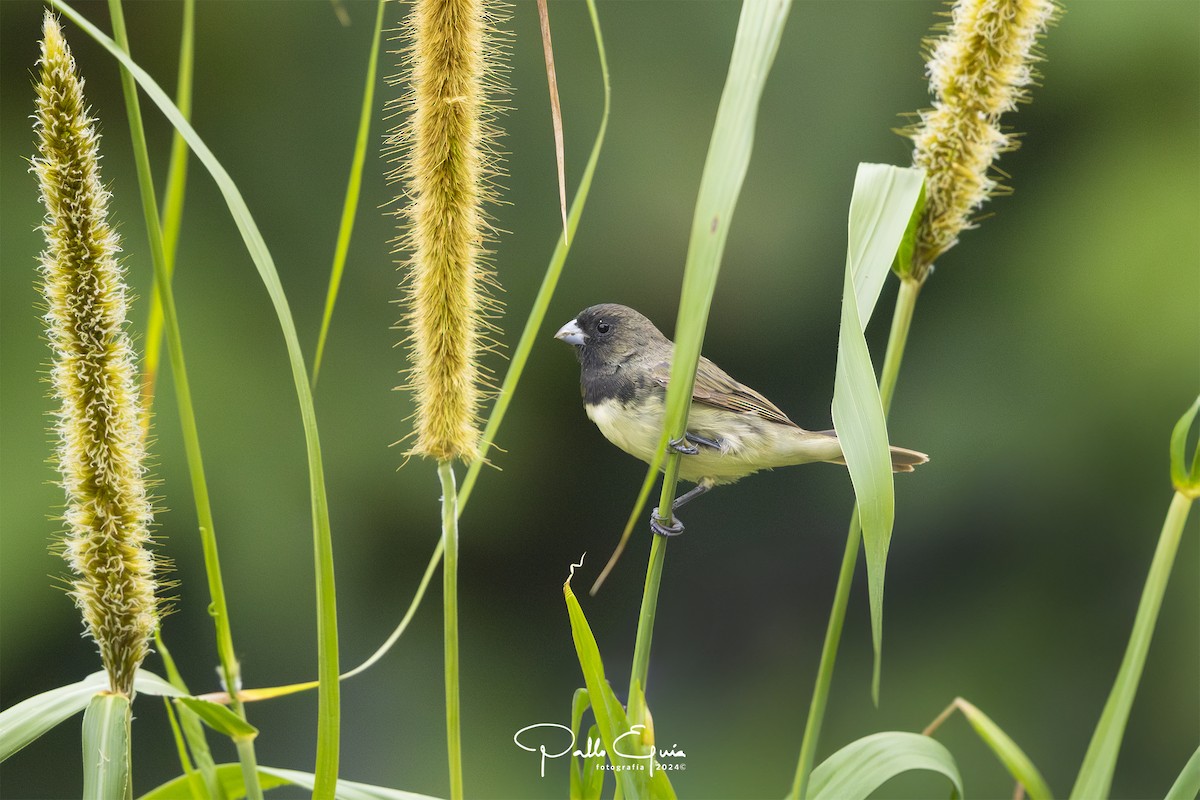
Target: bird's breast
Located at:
point(633, 427)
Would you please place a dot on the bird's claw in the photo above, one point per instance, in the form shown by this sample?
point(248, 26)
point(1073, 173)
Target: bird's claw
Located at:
point(673, 528)
point(682, 447)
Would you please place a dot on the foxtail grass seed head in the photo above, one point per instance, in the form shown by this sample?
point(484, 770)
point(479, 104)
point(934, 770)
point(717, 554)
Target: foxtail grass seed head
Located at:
point(979, 68)
point(444, 156)
point(99, 452)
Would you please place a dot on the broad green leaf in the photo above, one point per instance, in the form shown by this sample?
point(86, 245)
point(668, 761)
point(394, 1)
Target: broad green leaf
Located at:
point(106, 747)
point(230, 776)
point(861, 767)
point(1095, 776)
point(328, 700)
point(1184, 480)
point(880, 210)
point(27, 720)
point(1187, 785)
point(220, 718)
point(621, 740)
point(1012, 756)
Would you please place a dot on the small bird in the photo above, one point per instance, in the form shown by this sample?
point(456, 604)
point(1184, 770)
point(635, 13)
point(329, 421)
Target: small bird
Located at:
point(732, 430)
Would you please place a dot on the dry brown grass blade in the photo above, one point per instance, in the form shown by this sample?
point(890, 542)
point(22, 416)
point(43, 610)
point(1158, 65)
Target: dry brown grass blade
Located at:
point(555, 112)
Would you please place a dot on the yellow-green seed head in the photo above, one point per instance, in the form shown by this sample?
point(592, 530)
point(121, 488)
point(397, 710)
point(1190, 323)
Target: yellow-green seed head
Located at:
point(99, 453)
point(446, 164)
point(978, 69)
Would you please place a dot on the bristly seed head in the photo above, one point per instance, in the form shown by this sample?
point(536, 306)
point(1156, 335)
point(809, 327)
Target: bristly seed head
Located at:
point(446, 161)
point(978, 69)
point(100, 452)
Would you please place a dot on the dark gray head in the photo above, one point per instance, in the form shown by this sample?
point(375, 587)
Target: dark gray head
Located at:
point(608, 335)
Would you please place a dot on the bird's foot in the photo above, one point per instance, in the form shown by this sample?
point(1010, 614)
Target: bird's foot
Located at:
point(673, 528)
point(682, 447)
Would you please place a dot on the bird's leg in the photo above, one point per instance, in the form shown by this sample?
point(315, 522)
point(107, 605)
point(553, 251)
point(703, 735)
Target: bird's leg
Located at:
point(675, 527)
point(700, 440)
point(681, 446)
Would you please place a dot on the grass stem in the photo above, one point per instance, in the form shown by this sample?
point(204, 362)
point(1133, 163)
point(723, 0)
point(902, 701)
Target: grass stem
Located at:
point(191, 437)
point(906, 302)
point(450, 605)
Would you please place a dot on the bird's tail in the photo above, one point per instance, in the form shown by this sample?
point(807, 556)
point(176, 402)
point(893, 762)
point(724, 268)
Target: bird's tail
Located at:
point(903, 459)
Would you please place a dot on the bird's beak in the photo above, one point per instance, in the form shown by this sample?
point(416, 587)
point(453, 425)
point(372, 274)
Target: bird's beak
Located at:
point(571, 334)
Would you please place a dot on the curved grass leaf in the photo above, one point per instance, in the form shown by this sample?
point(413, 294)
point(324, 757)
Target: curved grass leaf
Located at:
point(629, 756)
point(1005, 749)
point(328, 702)
point(861, 767)
point(1185, 480)
point(106, 747)
point(880, 210)
point(1095, 776)
point(1187, 785)
point(230, 776)
point(27, 720)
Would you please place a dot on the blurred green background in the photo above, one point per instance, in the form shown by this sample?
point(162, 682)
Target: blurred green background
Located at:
point(1051, 354)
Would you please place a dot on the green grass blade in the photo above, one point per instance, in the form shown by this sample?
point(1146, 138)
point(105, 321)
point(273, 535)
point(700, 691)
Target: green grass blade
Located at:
point(861, 767)
point(27, 720)
point(164, 292)
point(621, 737)
point(580, 702)
point(172, 213)
point(219, 718)
point(189, 723)
point(230, 779)
point(593, 776)
point(1005, 749)
point(1187, 785)
point(1095, 776)
point(537, 314)
point(230, 776)
point(106, 747)
point(880, 210)
point(328, 703)
point(353, 189)
point(759, 31)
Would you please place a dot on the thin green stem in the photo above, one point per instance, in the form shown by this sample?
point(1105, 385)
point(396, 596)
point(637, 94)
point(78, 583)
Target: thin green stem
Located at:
point(450, 604)
point(172, 213)
point(353, 189)
point(191, 437)
point(645, 630)
point(1095, 776)
point(906, 302)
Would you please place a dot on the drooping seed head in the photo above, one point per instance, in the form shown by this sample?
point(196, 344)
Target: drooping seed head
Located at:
point(979, 68)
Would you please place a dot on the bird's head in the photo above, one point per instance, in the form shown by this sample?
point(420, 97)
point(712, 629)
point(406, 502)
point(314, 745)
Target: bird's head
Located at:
point(608, 334)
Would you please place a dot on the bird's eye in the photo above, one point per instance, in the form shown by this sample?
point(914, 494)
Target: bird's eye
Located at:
point(603, 327)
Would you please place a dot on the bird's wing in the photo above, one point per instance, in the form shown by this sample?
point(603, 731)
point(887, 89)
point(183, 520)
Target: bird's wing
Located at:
point(715, 388)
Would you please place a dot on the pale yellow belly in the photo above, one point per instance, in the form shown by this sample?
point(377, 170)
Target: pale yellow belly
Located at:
point(748, 442)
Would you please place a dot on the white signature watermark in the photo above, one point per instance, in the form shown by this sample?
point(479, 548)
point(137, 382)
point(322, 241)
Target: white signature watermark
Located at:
point(532, 738)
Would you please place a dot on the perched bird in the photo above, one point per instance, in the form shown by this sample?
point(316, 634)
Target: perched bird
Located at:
point(732, 430)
